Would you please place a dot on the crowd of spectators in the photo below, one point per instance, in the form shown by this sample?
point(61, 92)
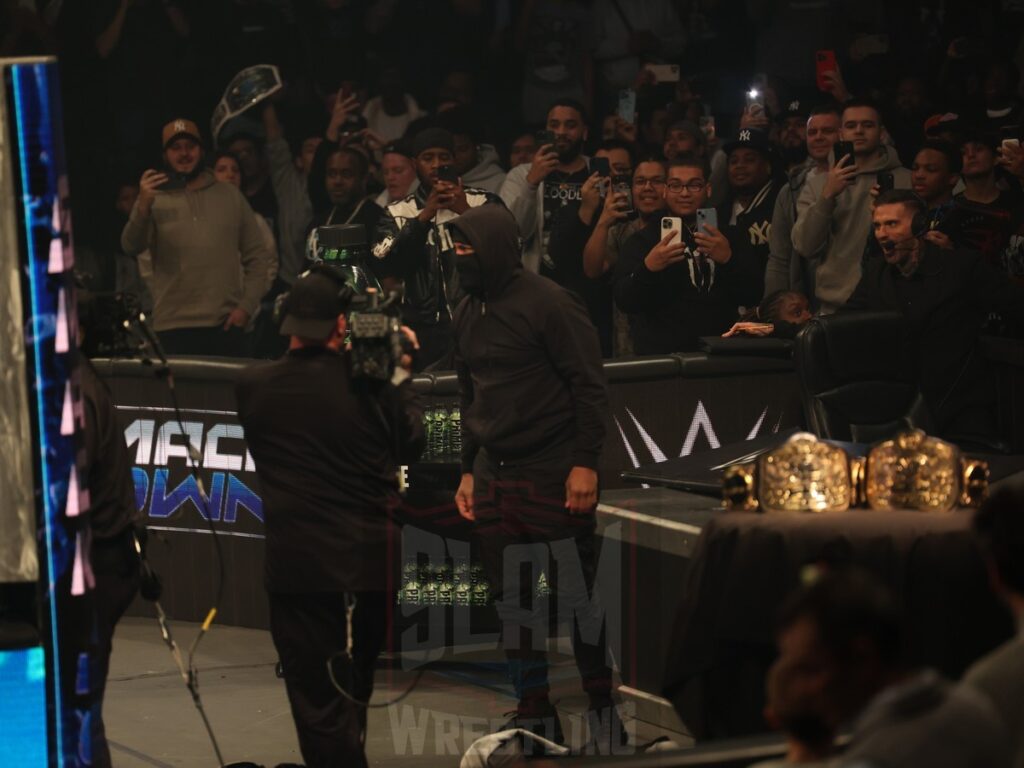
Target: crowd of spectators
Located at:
point(675, 200)
point(591, 121)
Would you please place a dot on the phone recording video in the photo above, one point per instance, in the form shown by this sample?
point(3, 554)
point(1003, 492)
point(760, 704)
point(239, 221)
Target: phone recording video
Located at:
point(627, 105)
point(174, 183)
point(841, 149)
point(448, 173)
point(706, 217)
point(622, 188)
point(824, 62)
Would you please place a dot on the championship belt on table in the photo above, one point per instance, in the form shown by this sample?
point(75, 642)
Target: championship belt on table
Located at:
point(805, 474)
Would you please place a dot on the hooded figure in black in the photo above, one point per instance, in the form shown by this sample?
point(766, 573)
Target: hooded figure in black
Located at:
point(533, 410)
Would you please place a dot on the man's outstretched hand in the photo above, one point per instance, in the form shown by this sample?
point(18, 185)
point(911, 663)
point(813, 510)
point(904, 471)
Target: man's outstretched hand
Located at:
point(581, 491)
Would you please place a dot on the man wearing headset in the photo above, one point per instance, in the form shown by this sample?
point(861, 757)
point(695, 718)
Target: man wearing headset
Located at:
point(945, 295)
point(327, 450)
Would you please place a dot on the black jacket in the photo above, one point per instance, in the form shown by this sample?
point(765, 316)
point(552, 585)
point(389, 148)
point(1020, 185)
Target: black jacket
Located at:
point(667, 311)
point(568, 238)
point(421, 255)
point(327, 459)
point(944, 304)
point(527, 356)
point(749, 236)
point(112, 507)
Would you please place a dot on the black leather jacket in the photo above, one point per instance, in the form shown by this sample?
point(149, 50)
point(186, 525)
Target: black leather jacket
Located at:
point(421, 254)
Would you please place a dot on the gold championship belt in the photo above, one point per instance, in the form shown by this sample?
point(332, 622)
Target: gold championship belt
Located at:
point(910, 471)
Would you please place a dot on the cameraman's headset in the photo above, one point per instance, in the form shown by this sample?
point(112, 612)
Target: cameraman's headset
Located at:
point(345, 292)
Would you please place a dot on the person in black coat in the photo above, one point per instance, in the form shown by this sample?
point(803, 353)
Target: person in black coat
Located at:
point(533, 404)
point(115, 520)
point(945, 297)
point(327, 451)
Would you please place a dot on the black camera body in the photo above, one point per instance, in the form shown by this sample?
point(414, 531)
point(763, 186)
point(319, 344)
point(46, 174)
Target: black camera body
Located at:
point(375, 333)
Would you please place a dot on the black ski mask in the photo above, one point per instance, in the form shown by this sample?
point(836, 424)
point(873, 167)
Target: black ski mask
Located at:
point(471, 274)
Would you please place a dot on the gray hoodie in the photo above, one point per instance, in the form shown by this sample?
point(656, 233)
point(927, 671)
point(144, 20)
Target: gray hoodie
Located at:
point(839, 227)
point(527, 204)
point(784, 272)
point(209, 254)
point(487, 173)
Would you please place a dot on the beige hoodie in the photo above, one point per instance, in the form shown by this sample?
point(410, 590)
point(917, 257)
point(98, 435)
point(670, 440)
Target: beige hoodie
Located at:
point(209, 254)
point(841, 226)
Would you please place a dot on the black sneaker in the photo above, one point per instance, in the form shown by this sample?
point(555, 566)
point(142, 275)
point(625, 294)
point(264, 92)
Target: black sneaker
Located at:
point(607, 733)
point(541, 721)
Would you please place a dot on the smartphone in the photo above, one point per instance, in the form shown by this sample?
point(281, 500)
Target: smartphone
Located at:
point(672, 224)
point(600, 165)
point(664, 73)
point(448, 173)
point(346, 89)
point(841, 149)
point(545, 138)
point(707, 127)
point(886, 182)
point(627, 105)
point(706, 216)
point(755, 101)
point(1011, 135)
point(175, 182)
point(824, 61)
point(622, 186)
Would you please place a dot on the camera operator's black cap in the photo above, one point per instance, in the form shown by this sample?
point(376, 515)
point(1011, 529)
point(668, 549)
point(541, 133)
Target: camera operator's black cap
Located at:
point(313, 305)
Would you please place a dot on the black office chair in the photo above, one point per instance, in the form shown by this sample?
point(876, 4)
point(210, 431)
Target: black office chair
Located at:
point(854, 383)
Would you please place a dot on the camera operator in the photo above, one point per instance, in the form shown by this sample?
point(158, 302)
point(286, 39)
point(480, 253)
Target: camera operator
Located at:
point(327, 448)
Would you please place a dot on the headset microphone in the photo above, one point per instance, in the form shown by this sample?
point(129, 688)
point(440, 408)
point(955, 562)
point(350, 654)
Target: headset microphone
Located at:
point(919, 227)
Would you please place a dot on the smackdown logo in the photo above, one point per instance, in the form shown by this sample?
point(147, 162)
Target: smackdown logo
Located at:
point(165, 488)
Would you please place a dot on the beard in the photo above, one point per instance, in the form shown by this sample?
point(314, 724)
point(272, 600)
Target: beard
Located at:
point(571, 152)
point(197, 169)
point(795, 154)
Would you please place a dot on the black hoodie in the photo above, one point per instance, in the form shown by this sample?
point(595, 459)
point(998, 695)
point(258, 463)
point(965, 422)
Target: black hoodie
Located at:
point(527, 355)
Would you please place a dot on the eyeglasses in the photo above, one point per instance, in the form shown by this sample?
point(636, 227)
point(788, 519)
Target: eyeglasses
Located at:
point(639, 182)
point(675, 187)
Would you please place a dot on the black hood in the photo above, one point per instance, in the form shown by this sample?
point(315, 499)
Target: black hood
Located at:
point(494, 235)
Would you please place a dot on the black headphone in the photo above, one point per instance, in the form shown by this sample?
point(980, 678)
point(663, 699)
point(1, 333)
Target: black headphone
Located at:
point(345, 292)
point(922, 220)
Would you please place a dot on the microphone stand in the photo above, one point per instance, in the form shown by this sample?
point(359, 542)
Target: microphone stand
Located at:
point(138, 326)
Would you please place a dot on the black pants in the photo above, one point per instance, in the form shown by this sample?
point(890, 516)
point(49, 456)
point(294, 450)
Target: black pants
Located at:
point(116, 568)
point(213, 342)
point(308, 630)
point(523, 529)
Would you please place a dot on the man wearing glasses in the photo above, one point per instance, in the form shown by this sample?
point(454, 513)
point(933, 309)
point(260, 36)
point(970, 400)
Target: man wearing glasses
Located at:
point(679, 289)
point(615, 226)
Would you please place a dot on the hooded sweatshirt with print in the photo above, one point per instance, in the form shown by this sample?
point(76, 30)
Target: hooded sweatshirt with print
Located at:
point(209, 254)
point(839, 227)
point(527, 355)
